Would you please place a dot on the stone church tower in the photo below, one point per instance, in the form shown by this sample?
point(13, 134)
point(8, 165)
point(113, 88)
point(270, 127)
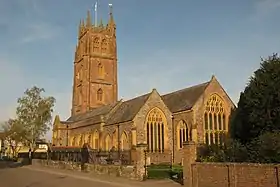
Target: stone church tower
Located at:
point(95, 66)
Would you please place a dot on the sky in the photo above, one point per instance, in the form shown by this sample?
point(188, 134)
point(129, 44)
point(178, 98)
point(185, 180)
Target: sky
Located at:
point(167, 45)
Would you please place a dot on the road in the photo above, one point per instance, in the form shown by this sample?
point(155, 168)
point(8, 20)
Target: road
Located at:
point(41, 177)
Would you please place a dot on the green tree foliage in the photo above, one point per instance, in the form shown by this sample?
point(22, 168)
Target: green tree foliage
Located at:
point(255, 123)
point(34, 114)
point(265, 148)
point(258, 109)
point(13, 133)
point(232, 151)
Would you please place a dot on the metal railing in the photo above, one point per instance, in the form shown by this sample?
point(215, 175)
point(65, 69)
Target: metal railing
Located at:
point(85, 155)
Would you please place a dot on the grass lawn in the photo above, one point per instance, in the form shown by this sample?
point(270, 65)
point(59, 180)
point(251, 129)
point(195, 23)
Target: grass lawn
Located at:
point(162, 171)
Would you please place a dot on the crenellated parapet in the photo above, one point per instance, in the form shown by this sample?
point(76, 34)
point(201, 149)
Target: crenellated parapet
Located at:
point(87, 26)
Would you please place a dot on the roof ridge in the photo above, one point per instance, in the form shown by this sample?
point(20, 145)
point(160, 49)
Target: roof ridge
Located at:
point(137, 97)
point(184, 89)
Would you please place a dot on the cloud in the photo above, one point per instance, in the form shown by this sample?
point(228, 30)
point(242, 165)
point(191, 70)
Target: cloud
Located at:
point(40, 31)
point(264, 9)
point(26, 22)
point(265, 6)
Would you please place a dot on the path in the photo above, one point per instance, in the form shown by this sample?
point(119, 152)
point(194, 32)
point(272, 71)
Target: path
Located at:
point(30, 176)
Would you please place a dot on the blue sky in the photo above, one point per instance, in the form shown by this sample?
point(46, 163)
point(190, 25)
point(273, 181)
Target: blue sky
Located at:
point(164, 44)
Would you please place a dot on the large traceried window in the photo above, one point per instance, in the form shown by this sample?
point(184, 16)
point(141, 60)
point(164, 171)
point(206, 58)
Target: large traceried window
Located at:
point(183, 134)
point(155, 124)
point(215, 121)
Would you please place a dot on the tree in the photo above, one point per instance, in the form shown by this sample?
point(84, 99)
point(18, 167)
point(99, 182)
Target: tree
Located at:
point(265, 148)
point(34, 114)
point(258, 109)
point(13, 134)
point(231, 151)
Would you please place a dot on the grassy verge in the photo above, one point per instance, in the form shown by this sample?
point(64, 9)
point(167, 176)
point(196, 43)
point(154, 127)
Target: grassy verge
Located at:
point(164, 171)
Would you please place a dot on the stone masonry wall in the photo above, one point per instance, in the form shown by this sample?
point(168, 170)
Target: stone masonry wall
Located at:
point(235, 174)
point(187, 117)
point(199, 108)
point(111, 170)
point(139, 120)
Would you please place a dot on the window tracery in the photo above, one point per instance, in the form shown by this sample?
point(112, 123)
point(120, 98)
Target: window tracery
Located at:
point(155, 131)
point(104, 46)
point(183, 134)
point(215, 121)
point(96, 45)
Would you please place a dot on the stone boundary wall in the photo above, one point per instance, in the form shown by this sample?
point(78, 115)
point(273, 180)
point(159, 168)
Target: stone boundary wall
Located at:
point(235, 174)
point(227, 174)
point(111, 170)
point(135, 172)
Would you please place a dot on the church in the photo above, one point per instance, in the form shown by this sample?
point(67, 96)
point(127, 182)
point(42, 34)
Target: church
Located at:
point(199, 113)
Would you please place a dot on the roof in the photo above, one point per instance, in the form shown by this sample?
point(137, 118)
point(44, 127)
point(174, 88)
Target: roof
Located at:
point(119, 112)
point(94, 113)
point(184, 99)
point(128, 110)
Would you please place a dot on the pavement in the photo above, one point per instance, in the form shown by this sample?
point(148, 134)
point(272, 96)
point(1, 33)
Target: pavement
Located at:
point(36, 176)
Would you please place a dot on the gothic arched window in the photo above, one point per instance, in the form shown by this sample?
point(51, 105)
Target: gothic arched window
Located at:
point(96, 45)
point(215, 123)
point(108, 143)
point(81, 141)
point(95, 143)
point(183, 134)
point(89, 140)
point(99, 94)
point(104, 46)
point(155, 124)
point(100, 70)
point(73, 141)
point(124, 142)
